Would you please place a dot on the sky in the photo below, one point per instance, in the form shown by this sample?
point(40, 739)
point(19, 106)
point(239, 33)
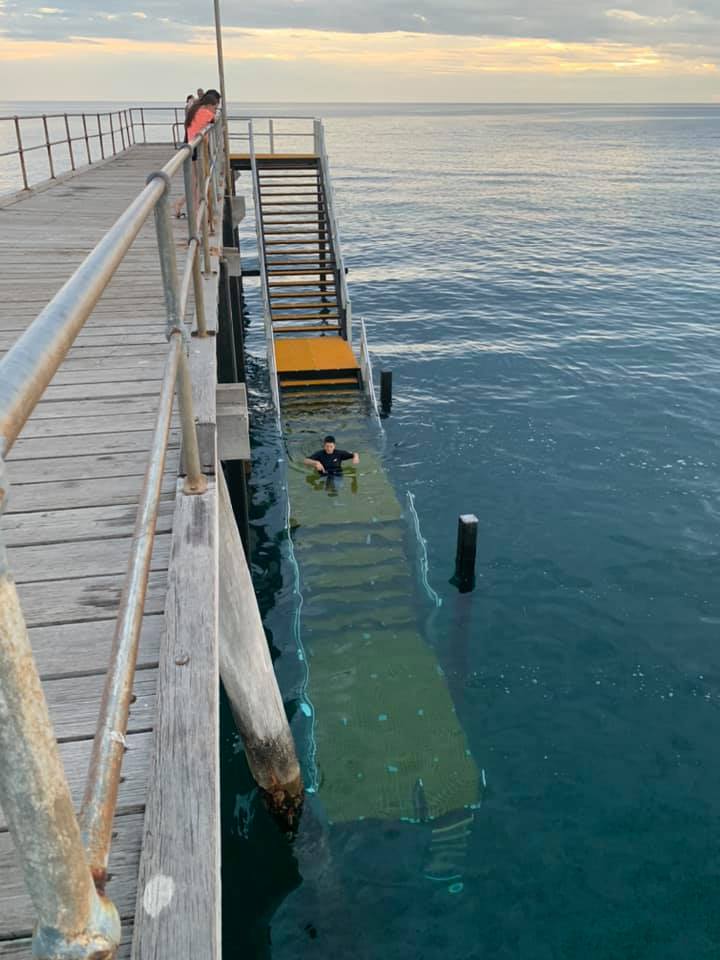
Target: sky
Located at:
point(364, 50)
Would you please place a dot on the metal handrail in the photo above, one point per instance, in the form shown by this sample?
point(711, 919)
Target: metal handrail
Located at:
point(345, 303)
point(267, 315)
point(66, 869)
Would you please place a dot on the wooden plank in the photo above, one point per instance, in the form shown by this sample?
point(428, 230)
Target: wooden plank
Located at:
point(87, 523)
point(67, 649)
point(42, 448)
point(75, 757)
point(80, 559)
point(22, 949)
point(178, 901)
point(87, 426)
point(94, 598)
point(78, 467)
point(74, 704)
point(16, 912)
point(62, 494)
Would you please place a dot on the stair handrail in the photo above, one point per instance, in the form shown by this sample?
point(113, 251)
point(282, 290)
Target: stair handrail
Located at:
point(64, 859)
point(267, 315)
point(345, 303)
point(366, 370)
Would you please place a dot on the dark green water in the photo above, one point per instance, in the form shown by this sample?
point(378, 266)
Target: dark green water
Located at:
point(547, 295)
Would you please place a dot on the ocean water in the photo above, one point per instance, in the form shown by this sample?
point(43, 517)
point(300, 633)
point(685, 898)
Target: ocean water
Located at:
point(543, 282)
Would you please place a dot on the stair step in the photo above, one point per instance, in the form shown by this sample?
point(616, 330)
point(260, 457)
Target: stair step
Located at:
point(293, 193)
point(302, 263)
point(267, 175)
point(296, 293)
point(291, 232)
point(293, 223)
point(306, 316)
point(288, 331)
point(301, 283)
point(289, 243)
point(315, 271)
point(291, 203)
point(300, 306)
point(338, 381)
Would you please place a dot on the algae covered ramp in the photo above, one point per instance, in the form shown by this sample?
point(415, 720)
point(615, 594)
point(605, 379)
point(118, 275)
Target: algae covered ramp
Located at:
point(385, 742)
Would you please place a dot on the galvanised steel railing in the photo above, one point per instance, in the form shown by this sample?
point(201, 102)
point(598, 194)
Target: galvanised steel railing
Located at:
point(100, 135)
point(65, 859)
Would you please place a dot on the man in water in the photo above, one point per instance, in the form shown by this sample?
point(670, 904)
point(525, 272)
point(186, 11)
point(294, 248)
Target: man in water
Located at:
point(328, 461)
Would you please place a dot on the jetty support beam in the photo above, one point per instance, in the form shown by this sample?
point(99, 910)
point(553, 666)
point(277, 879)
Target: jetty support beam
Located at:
point(248, 677)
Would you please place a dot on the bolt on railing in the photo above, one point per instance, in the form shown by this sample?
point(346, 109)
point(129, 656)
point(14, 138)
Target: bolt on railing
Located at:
point(65, 868)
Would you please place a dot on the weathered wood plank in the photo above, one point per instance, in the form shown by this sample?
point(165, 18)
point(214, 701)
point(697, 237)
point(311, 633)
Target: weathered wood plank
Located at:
point(94, 598)
point(63, 494)
point(86, 523)
point(45, 448)
point(78, 467)
point(181, 842)
point(69, 649)
point(22, 949)
point(79, 559)
point(17, 916)
point(74, 704)
point(75, 757)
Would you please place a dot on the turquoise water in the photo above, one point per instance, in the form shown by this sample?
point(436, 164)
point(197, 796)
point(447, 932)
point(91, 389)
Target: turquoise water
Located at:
point(544, 284)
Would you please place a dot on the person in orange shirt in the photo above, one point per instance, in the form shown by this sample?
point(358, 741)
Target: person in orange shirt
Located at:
point(201, 113)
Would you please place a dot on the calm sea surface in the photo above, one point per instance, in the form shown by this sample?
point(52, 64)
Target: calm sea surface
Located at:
point(544, 283)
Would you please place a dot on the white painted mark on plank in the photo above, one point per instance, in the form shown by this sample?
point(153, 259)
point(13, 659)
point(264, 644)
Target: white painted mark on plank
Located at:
point(158, 894)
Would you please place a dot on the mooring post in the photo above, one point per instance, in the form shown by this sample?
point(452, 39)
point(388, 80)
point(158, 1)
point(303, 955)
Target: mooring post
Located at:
point(466, 551)
point(386, 390)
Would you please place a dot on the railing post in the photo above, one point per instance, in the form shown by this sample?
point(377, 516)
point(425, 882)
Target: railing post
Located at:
point(120, 129)
point(207, 265)
point(195, 480)
point(100, 135)
point(72, 919)
point(49, 148)
point(198, 292)
point(112, 134)
point(317, 132)
point(69, 142)
point(142, 120)
point(271, 129)
point(21, 154)
point(87, 139)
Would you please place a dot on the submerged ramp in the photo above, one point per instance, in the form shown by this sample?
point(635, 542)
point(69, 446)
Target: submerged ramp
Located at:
point(386, 742)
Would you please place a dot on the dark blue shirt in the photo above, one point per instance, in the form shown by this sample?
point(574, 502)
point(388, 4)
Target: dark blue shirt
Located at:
point(332, 462)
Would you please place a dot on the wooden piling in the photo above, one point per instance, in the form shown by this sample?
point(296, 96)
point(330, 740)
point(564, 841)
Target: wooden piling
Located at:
point(466, 551)
point(386, 390)
point(248, 676)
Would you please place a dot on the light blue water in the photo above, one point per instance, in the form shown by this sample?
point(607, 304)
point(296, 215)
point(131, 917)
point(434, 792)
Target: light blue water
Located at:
point(544, 284)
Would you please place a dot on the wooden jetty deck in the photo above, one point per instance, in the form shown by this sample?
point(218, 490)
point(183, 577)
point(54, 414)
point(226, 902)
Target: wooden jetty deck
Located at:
point(76, 473)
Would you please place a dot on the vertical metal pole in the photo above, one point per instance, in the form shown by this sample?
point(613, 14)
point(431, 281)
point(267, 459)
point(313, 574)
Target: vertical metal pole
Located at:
point(112, 134)
point(195, 481)
point(49, 148)
point(202, 150)
point(69, 142)
point(120, 129)
point(198, 292)
point(271, 128)
point(102, 146)
point(142, 120)
point(229, 182)
point(21, 153)
point(72, 919)
point(87, 139)
point(386, 390)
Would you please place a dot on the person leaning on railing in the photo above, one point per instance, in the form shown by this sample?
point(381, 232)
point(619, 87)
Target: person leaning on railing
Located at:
point(199, 114)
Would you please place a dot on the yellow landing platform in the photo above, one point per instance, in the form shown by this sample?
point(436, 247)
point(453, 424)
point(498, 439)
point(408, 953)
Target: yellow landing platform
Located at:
point(313, 354)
